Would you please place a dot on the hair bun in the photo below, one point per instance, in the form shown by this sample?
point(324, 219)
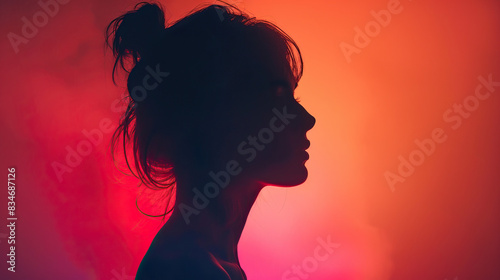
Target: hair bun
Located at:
point(133, 33)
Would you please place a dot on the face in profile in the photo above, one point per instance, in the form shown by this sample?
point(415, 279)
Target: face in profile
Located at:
point(276, 151)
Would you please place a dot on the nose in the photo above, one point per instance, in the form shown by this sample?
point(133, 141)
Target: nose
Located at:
point(308, 119)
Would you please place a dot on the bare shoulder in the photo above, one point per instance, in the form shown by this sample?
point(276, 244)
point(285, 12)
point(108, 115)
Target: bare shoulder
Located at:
point(179, 261)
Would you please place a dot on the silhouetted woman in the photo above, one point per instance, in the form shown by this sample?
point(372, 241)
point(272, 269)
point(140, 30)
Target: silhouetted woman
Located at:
point(212, 114)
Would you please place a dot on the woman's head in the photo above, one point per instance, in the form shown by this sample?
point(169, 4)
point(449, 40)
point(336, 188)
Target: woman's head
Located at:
point(200, 87)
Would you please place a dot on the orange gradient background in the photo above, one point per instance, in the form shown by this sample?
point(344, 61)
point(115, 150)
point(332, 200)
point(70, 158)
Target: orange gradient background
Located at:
point(442, 222)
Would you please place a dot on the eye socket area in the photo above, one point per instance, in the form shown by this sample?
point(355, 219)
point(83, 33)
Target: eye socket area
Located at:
point(283, 89)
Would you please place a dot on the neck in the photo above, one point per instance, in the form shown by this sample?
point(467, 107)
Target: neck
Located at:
point(217, 226)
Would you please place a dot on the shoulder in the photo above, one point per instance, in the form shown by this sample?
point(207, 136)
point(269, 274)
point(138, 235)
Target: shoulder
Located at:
point(174, 263)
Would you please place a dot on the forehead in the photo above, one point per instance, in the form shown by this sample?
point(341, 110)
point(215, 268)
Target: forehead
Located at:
point(270, 65)
point(284, 79)
point(278, 68)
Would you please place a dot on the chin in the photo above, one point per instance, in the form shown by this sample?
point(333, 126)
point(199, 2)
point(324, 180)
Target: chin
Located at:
point(289, 177)
point(298, 178)
point(287, 172)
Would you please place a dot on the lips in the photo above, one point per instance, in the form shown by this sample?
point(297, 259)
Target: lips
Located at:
point(304, 153)
point(304, 156)
point(307, 145)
